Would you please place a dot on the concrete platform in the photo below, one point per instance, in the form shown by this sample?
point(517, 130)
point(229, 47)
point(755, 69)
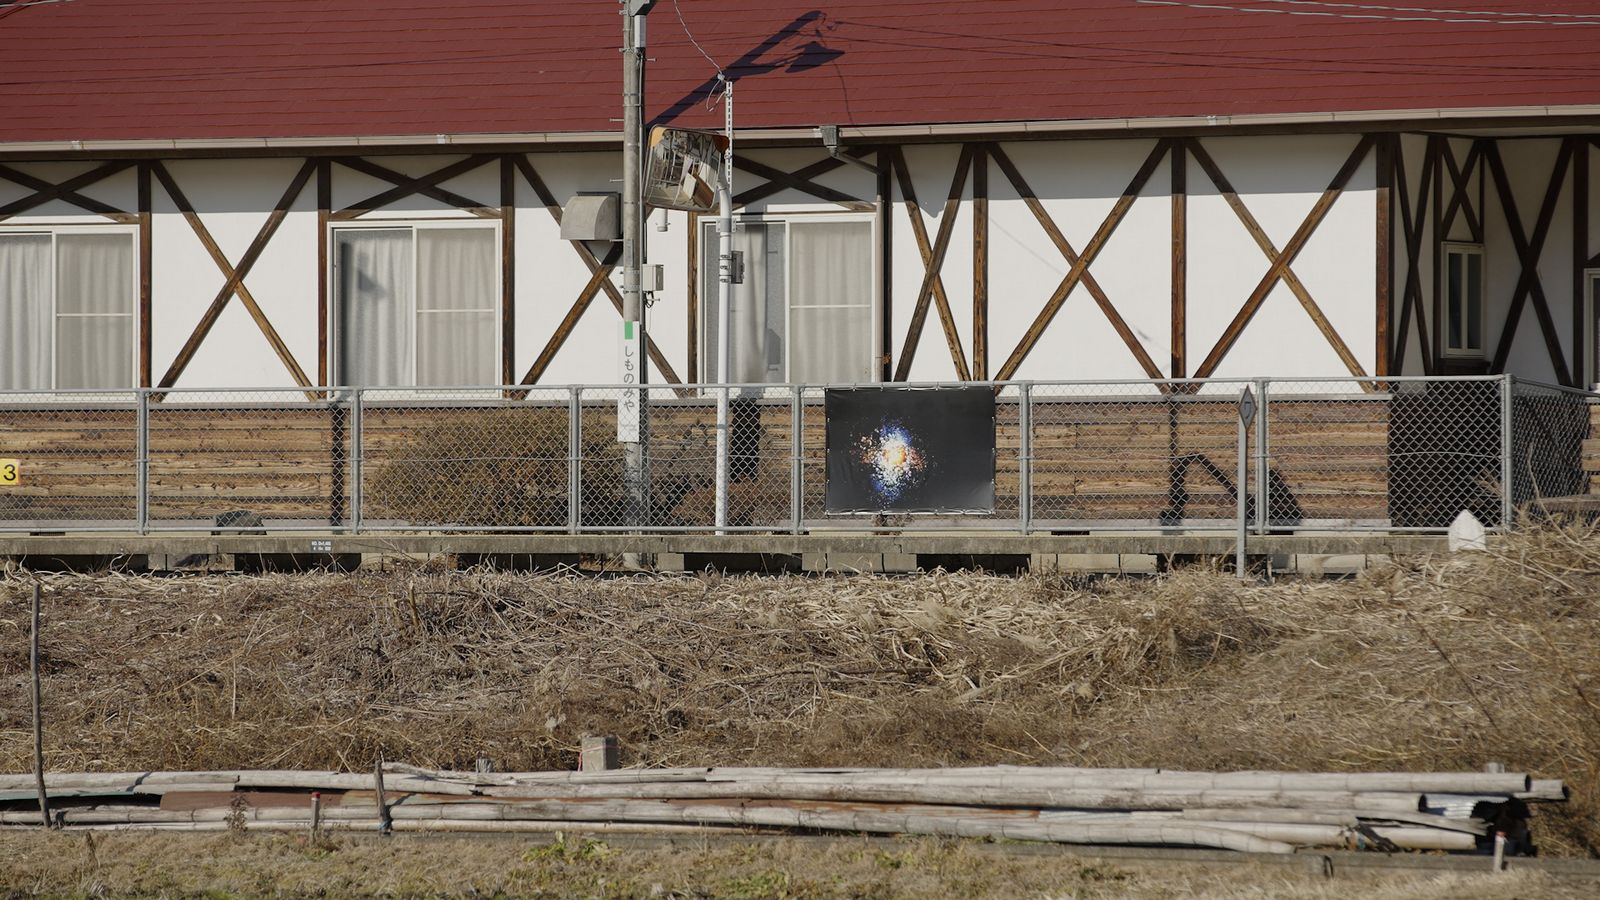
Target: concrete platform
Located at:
point(1126, 553)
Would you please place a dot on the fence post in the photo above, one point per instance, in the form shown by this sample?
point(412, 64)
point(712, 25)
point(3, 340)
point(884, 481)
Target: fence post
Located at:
point(574, 458)
point(141, 464)
point(358, 452)
point(1263, 466)
point(1241, 492)
point(1507, 489)
point(1025, 457)
point(797, 448)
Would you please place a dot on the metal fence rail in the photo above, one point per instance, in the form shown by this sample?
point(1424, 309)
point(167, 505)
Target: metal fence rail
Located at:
point(1392, 454)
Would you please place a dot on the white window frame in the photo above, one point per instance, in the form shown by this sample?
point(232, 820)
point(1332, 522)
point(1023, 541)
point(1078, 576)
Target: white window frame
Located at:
point(336, 302)
point(54, 232)
point(708, 305)
point(1464, 249)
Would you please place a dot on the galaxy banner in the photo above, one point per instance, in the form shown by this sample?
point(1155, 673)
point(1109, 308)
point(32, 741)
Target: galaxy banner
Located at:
point(910, 450)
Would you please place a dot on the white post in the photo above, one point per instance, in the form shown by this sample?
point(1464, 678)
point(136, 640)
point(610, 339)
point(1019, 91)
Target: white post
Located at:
point(724, 343)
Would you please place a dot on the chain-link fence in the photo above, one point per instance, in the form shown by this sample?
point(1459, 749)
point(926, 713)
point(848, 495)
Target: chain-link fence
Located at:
point(1550, 428)
point(1403, 454)
point(71, 460)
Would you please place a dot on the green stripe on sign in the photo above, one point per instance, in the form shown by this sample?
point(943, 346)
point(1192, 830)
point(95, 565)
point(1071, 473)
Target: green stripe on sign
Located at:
point(627, 331)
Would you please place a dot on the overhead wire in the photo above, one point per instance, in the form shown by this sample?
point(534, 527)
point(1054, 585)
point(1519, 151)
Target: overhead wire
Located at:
point(1389, 13)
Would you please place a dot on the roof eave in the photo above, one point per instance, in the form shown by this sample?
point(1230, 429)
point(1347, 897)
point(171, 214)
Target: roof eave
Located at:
point(1391, 119)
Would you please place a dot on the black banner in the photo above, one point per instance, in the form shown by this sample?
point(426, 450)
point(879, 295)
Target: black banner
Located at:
point(904, 450)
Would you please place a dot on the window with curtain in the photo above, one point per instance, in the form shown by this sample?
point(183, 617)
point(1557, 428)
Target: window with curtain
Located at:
point(418, 306)
point(68, 310)
point(804, 312)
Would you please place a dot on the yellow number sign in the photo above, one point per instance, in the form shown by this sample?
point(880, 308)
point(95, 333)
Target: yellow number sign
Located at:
point(10, 473)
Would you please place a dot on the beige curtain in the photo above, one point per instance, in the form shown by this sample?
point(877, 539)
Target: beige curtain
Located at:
point(26, 287)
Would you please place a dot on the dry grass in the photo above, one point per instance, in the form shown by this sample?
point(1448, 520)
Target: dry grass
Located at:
point(1430, 664)
point(252, 866)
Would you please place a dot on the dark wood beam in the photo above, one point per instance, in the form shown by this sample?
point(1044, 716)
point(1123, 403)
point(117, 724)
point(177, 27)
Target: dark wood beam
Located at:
point(554, 208)
point(1078, 264)
point(885, 159)
point(1285, 258)
point(692, 366)
point(324, 211)
point(73, 197)
point(508, 268)
point(568, 322)
point(932, 290)
point(146, 276)
point(1289, 278)
point(800, 180)
point(1413, 224)
point(1529, 249)
point(234, 275)
point(1180, 256)
point(1580, 253)
point(980, 263)
point(62, 190)
point(1460, 180)
point(1387, 147)
point(426, 186)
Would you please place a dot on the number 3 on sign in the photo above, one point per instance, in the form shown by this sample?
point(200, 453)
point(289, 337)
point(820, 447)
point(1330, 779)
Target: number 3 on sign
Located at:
point(10, 473)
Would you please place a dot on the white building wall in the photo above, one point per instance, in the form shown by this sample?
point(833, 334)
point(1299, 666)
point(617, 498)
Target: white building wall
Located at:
point(1529, 165)
point(1078, 182)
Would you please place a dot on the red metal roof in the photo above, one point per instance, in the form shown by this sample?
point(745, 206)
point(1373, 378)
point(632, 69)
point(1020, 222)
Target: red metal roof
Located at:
point(175, 69)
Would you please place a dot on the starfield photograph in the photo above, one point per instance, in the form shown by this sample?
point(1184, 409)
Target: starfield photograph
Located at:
point(773, 451)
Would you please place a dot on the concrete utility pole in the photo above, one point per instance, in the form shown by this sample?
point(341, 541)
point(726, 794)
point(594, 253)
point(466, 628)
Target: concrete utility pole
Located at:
point(633, 306)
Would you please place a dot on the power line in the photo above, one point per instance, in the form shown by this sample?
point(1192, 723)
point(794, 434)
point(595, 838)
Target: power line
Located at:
point(722, 78)
point(1442, 12)
point(1391, 14)
point(1208, 59)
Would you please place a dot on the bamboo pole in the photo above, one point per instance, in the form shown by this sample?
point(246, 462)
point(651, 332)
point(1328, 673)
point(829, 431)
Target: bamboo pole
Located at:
point(967, 795)
point(385, 823)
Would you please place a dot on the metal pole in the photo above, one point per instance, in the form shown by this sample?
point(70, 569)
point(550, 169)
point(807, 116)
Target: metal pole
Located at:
point(796, 458)
point(633, 310)
point(142, 463)
point(358, 451)
point(1025, 457)
point(1263, 470)
point(574, 458)
point(724, 343)
point(38, 711)
point(1241, 487)
point(1240, 492)
point(1507, 489)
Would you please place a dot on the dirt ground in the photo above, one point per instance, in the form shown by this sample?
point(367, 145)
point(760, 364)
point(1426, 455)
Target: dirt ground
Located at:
point(250, 865)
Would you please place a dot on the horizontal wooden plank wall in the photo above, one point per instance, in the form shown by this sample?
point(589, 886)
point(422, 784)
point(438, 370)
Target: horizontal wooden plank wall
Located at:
point(1591, 450)
point(1096, 459)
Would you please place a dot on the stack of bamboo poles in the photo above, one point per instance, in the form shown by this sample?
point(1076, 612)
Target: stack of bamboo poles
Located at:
point(1264, 812)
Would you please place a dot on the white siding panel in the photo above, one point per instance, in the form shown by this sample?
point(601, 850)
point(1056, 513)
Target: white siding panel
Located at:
point(233, 198)
point(1078, 185)
point(932, 169)
point(481, 184)
point(120, 190)
point(1414, 150)
point(1280, 180)
point(1529, 165)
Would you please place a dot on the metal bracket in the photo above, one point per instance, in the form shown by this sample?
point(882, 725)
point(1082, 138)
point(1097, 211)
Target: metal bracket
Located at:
point(830, 140)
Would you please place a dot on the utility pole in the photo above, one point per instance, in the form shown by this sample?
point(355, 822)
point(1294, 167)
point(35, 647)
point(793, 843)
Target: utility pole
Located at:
point(633, 306)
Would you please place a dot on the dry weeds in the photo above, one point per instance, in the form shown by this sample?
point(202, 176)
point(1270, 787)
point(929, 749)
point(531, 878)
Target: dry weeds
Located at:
point(1439, 663)
point(268, 866)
